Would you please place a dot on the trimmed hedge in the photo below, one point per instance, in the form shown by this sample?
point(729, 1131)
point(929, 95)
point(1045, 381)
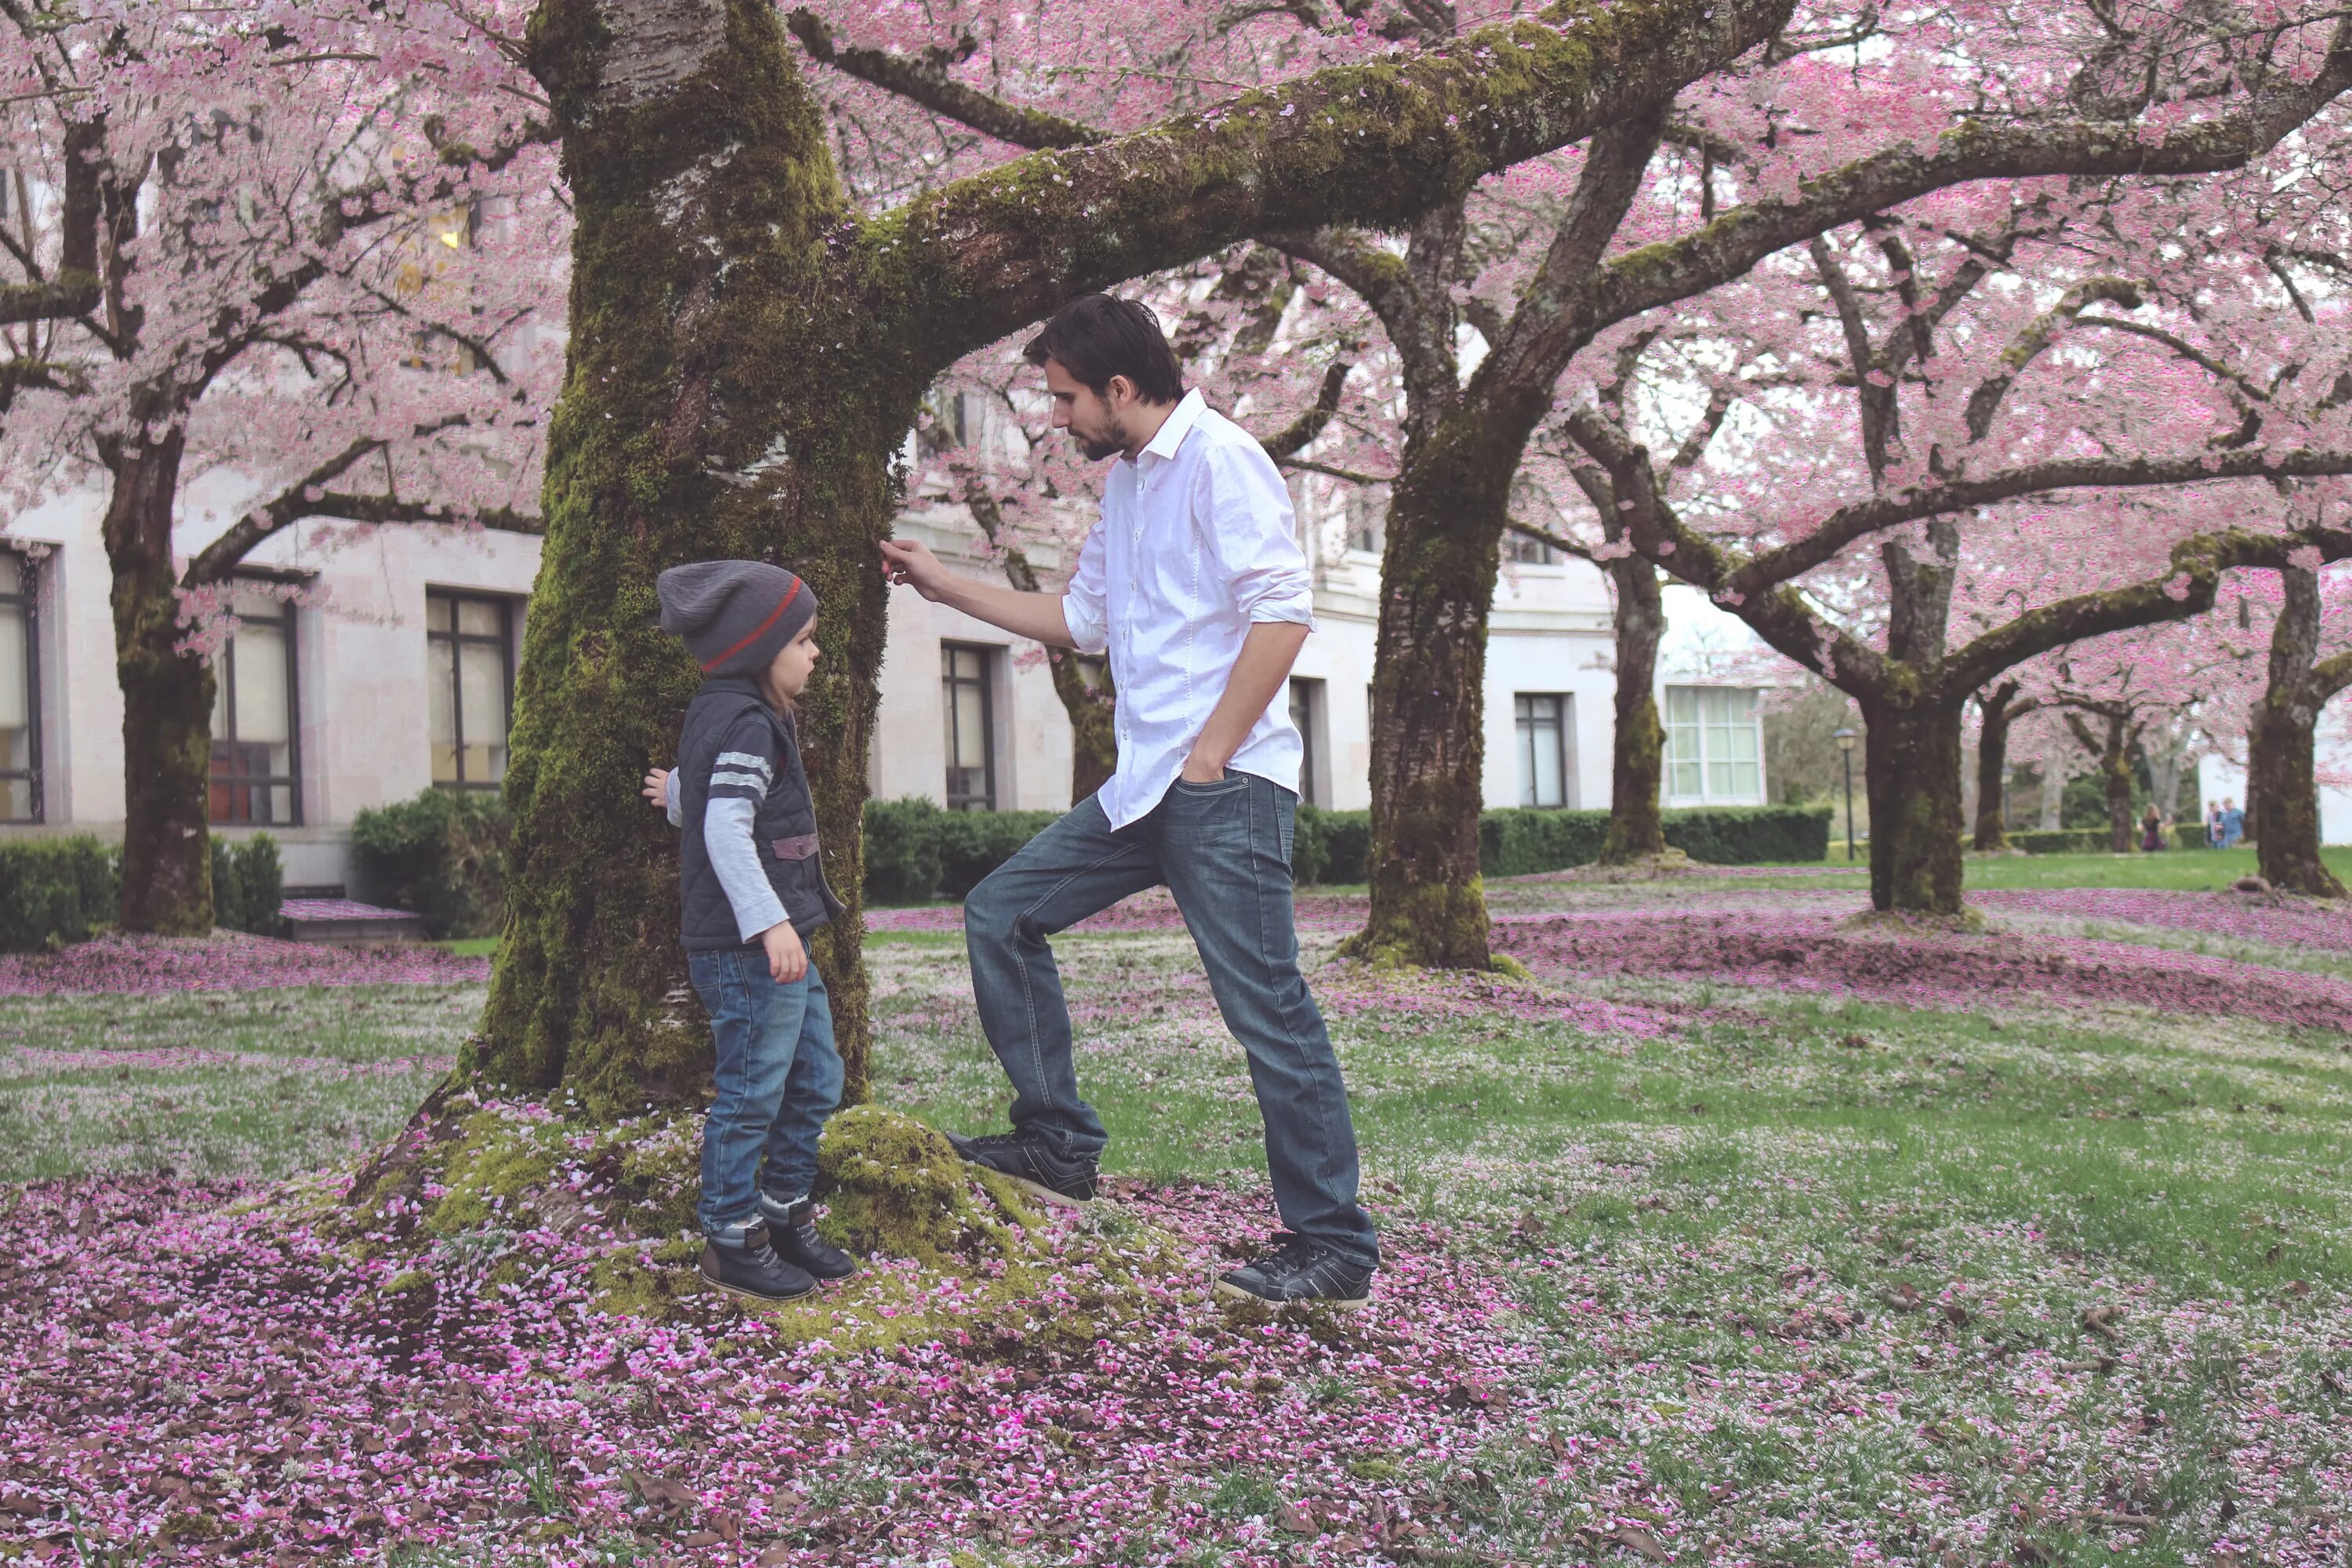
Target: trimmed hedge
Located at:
point(440, 855)
point(912, 845)
point(57, 890)
point(1520, 840)
point(2095, 840)
point(248, 885)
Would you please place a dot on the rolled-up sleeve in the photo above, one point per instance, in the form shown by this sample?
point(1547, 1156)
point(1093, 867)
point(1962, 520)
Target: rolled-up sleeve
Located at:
point(1254, 535)
point(1083, 606)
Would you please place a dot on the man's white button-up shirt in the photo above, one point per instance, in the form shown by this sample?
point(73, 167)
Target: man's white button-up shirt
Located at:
point(1196, 543)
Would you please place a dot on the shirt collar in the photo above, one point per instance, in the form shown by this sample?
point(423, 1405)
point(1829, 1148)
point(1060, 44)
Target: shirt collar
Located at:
point(1173, 429)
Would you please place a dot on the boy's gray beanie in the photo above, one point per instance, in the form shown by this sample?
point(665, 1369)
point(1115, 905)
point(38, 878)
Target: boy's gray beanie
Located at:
point(735, 615)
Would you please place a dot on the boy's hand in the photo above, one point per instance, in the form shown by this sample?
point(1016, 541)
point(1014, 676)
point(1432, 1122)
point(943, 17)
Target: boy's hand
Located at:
point(787, 959)
point(656, 790)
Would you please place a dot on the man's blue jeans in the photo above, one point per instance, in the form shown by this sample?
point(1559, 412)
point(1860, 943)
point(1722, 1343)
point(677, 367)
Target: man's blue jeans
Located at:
point(778, 1078)
point(1223, 850)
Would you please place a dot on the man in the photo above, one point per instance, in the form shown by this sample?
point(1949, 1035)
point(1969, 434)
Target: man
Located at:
point(1194, 585)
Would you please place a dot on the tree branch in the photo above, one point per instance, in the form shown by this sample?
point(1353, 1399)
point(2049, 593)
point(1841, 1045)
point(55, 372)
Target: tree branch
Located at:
point(923, 79)
point(2037, 336)
point(1309, 423)
point(1368, 145)
point(1848, 524)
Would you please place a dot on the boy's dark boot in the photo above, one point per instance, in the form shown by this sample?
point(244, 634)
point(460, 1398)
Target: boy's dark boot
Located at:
point(793, 1227)
point(754, 1270)
point(1298, 1270)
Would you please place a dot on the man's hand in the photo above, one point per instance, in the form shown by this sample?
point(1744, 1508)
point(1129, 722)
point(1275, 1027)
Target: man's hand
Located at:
point(911, 562)
point(787, 959)
point(1204, 767)
point(656, 791)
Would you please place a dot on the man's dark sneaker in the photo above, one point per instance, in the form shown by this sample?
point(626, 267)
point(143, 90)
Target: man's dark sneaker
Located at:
point(754, 1270)
point(1299, 1269)
point(1057, 1178)
point(793, 1228)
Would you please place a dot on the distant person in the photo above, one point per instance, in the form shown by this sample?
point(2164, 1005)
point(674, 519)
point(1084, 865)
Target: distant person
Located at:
point(2213, 826)
point(751, 890)
point(2151, 831)
point(2234, 824)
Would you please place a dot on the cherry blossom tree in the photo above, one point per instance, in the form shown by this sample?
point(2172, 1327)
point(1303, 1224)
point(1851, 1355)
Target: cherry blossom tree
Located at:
point(259, 243)
point(2016, 431)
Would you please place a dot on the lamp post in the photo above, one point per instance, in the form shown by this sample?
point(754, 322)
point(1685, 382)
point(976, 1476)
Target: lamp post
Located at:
point(1845, 749)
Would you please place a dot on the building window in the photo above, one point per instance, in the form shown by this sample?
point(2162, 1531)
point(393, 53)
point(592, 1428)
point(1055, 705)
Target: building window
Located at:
point(1306, 707)
point(256, 767)
point(469, 647)
point(1715, 746)
point(20, 693)
point(1366, 512)
point(1543, 747)
point(1525, 552)
point(971, 749)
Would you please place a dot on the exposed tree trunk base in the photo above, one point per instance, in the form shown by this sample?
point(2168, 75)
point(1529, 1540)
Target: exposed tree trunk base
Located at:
point(1433, 925)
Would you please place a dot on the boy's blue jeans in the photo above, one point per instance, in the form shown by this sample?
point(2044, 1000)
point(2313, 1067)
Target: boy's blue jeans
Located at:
point(1223, 850)
point(778, 1078)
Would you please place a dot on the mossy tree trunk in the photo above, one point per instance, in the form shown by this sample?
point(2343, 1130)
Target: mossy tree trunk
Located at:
point(167, 701)
point(1913, 781)
point(2282, 785)
point(724, 397)
point(746, 357)
point(1428, 683)
point(1999, 709)
point(1637, 751)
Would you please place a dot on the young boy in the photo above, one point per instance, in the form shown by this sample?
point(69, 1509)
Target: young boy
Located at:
point(750, 889)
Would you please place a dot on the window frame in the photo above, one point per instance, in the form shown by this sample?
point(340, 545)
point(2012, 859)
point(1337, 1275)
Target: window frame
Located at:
point(1704, 763)
point(1523, 724)
point(458, 640)
point(28, 599)
point(225, 674)
point(1307, 701)
point(984, 680)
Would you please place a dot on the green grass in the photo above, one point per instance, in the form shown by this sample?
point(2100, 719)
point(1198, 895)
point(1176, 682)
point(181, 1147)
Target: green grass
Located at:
point(471, 946)
point(2192, 870)
point(216, 1083)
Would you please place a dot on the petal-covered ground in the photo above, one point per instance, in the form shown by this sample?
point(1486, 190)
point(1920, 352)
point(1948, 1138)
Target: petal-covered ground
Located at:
point(1740, 1234)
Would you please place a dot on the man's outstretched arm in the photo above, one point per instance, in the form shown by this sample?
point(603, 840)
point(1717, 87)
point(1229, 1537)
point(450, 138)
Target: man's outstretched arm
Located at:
point(1037, 617)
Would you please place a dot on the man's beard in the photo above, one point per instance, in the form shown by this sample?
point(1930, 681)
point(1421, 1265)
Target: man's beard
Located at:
point(1110, 444)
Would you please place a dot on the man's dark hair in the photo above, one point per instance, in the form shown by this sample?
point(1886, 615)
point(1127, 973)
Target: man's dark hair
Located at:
point(1096, 337)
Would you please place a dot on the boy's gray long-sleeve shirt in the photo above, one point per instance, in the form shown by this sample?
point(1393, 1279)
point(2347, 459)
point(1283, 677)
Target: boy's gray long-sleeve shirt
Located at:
point(734, 855)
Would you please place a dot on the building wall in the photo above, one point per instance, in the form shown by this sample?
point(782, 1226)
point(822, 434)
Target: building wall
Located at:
point(361, 657)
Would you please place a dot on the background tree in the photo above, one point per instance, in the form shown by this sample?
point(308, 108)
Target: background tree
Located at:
point(236, 246)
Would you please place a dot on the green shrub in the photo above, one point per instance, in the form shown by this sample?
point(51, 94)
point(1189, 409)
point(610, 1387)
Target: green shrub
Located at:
point(974, 843)
point(1309, 856)
point(1521, 840)
point(1343, 846)
point(56, 890)
point(1750, 835)
point(440, 855)
point(902, 850)
point(248, 885)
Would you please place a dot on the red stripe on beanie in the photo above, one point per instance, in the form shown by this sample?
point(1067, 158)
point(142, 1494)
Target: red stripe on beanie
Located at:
point(756, 633)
